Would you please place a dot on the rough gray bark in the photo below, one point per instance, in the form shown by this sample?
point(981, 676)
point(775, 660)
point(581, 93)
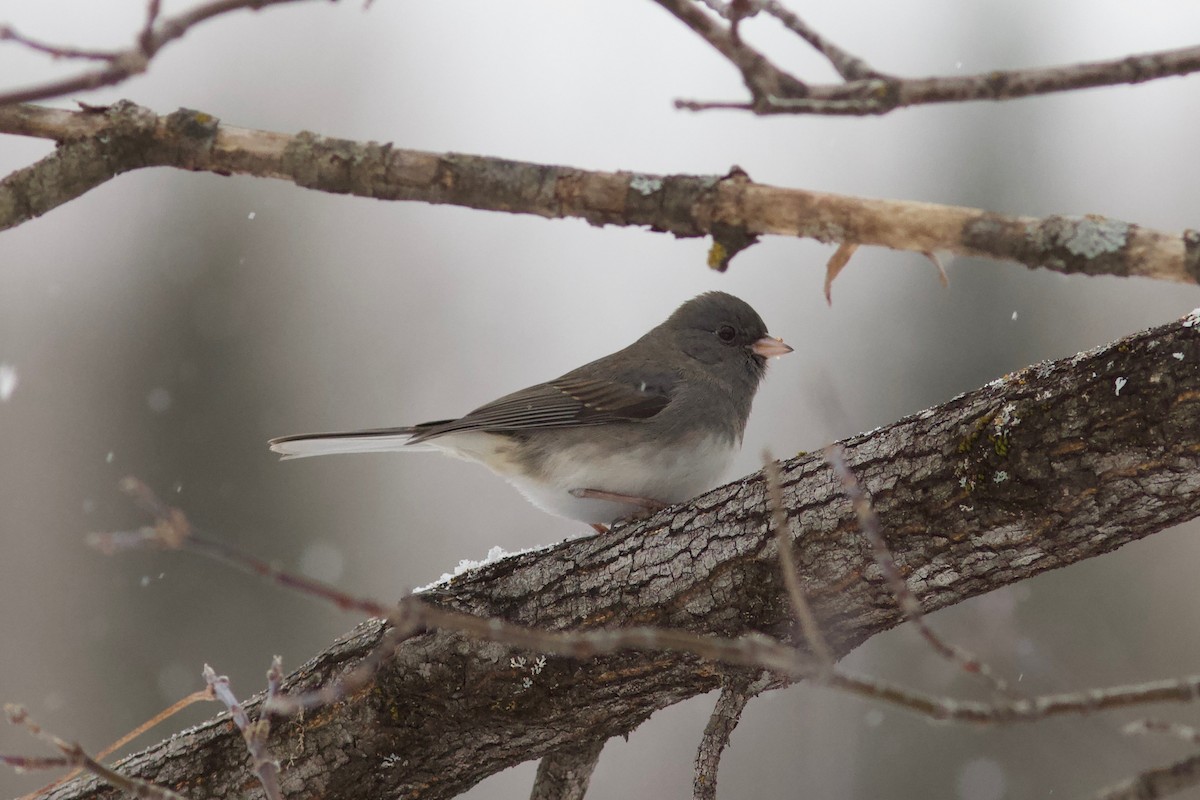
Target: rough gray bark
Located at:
point(1047, 466)
point(738, 690)
point(565, 775)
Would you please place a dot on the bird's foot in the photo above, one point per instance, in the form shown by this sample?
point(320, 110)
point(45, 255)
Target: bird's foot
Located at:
point(646, 505)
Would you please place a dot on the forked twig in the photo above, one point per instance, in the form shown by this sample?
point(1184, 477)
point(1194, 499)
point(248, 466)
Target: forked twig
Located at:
point(254, 732)
point(74, 756)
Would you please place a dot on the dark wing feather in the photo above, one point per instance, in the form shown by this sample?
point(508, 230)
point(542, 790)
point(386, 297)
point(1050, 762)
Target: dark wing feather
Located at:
point(569, 401)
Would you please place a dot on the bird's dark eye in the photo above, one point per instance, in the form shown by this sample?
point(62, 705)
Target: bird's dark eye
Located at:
point(726, 333)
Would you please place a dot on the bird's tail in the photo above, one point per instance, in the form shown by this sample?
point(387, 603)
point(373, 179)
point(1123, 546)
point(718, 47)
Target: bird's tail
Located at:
point(378, 440)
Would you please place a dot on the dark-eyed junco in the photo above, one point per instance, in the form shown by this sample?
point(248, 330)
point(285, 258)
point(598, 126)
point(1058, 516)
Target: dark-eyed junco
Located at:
point(654, 424)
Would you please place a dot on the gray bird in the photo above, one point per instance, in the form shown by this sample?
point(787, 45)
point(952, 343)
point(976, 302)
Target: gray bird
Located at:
point(648, 426)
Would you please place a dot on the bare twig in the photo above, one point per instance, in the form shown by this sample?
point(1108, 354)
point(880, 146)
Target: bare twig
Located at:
point(1155, 783)
point(834, 266)
point(801, 610)
point(170, 711)
point(565, 774)
point(760, 652)
point(290, 705)
point(413, 616)
point(720, 8)
point(848, 66)
point(126, 137)
point(868, 522)
point(121, 65)
point(943, 278)
point(761, 77)
point(172, 531)
point(146, 38)
point(30, 763)
point(773, 90)
point(274, 677)
point(1029, 709)
point(1185, 733)
point(74, 756)
point(735, 694)
point(255, 733)
point(880, 95)
point(9, 34)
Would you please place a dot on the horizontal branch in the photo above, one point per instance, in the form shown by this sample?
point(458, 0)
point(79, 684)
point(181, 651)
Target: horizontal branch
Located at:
point(866, 91)
point(98, 145)
point(1043, 468)
point(880, 95)
point(773, 90)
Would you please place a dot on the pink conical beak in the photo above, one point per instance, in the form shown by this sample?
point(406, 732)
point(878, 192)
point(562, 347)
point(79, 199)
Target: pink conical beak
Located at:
point(770, 347)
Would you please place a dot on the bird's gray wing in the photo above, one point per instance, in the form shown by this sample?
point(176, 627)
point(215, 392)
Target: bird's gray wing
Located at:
point(570, 401)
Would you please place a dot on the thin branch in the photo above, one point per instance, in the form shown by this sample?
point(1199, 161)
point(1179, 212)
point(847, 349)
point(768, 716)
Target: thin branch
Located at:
point(759, 652)
point(732, 208)
point(1161, 781)
point(172, 531)
point(735, 694)
point(414, 615)
point(565, 774)
point(773, 90)
point(868, 523)
point(850, 67)
point(837, 262)
point(719, 8)
point(121, 65)
point(801, 610)
point(943, 278)
point(9, 34)
point(1156, 783)
point(761, 77)
point(74, 756)
point(255, 733)
point(880, 95)
point(146, 38)
point(1185, 733)
point(203, 695)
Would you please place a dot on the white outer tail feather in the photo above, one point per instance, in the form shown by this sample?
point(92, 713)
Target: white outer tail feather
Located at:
point(333, 445)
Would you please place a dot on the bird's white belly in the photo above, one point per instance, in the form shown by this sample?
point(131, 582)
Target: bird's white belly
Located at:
point(666, 474)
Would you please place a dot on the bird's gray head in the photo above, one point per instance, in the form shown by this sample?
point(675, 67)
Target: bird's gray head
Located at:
point(720, 329)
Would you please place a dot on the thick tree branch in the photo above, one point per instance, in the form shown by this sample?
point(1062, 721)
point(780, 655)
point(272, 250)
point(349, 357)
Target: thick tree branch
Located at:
point(1048, 466)
point(733, 209)
point(735, 694)
point(565, 774)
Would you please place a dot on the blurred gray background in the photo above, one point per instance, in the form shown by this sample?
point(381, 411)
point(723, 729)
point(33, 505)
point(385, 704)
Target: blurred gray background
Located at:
point(166, 324)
